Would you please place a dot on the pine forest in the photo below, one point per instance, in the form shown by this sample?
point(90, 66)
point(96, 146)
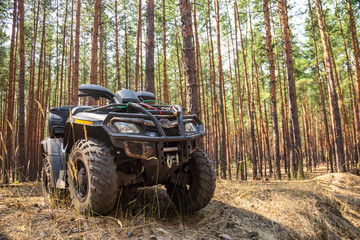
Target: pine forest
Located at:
point(276, 84)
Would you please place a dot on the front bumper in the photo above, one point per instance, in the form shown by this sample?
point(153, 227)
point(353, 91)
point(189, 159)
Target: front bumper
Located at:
point(162, 147)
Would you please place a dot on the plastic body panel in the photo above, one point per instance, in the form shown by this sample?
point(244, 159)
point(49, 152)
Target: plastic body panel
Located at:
point(54, 154)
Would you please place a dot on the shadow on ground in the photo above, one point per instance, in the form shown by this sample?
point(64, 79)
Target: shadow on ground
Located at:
point(315, 209)
point(217, 221)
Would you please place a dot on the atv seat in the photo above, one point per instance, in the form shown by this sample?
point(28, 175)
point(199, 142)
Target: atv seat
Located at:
point(79, 109)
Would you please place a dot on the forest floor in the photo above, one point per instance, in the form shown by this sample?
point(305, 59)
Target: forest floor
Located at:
point(324, 206)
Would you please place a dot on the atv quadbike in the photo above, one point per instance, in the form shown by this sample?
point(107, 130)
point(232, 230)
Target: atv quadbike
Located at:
point(132, 141)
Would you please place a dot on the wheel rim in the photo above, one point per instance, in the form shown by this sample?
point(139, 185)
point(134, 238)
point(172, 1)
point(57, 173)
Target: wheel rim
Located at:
point(81, 181)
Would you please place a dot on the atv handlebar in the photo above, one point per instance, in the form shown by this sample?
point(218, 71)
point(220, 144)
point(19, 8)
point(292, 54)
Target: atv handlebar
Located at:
point(147, 113)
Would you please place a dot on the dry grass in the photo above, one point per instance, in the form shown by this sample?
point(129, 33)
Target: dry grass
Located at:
point(324, 207)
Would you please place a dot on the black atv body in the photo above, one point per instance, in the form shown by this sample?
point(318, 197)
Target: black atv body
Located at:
point(133, 141)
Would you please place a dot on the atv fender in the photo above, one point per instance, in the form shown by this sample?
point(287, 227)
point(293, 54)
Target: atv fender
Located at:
point(53, 153)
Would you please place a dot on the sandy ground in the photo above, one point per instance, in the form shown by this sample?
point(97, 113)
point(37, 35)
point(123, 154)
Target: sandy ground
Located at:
point(323, 207)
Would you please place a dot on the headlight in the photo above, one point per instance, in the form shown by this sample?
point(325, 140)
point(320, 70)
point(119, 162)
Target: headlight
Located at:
point(125, 127)
point(190, 127)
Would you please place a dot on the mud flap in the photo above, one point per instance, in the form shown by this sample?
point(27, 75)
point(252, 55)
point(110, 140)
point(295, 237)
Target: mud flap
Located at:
point(52, 150)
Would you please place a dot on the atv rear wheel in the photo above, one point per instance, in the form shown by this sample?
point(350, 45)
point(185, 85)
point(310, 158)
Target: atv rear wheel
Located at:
point(92, 177)
point(197, 184)
point(47, 187)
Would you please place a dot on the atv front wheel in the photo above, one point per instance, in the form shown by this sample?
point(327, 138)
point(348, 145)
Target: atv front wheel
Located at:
point(92, 177)
point(196, 186)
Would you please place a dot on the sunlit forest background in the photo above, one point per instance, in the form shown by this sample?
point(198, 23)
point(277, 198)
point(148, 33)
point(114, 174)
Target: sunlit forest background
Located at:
point(277, 82)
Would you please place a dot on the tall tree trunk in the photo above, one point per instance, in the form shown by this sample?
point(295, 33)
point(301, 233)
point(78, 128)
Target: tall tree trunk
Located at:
point(240, 161)
point(70, 71)
point(189, 59)
point(234, 147)
point(274, 117)
point(341, 96)
point(295, 137)
point(284, 118)
point(223, 153)
point(182, 101)
point(233, 102)
point(141, 64)
point(215, 115)
point(10, 101)
point(267, 142)
point(339, 144)
point(158, 87)
point(255, 86)
point(77, 55)
point(16, 123)
point(55, 103)
point(149, 69)
point(30, 103)
point(41, 114)
point(249, 101)
point(321, 90)
point(198, 73)
point(356, 56)
point(138, 47)
point(63, 57)
point(33, 141)
point(165, 80)
point(127, 83)
point(94, 44)
point(21, 132)
point(101, 53)
point(117, 48)
point(351, 85)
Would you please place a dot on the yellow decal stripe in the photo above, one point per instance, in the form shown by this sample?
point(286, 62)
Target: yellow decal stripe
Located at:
point(83, 122)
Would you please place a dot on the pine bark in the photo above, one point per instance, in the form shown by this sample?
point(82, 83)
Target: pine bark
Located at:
point(274, 117)
point(10, 102)
point(61, 100)
point(214, 98)
point(295, 137)
point(21, 132)
point(70, 66)
point(101, 53)
point(77, 55)
point(149, 68)
point(255, 86)
point(127, 83)
point(249, 102)
point(165, 80)
point(33, 144)
point(189, 59)
point(94, 43)
point(55, 103)
point(117, 48)
point(356, 56)
point(30, 103)
point(339, 143)
point(284, 118)
point(138, 47)
point(351, 88)
point(223, 153)
point(240, 148)
point(323, 107)
point(182, 101)
point(197, 58)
